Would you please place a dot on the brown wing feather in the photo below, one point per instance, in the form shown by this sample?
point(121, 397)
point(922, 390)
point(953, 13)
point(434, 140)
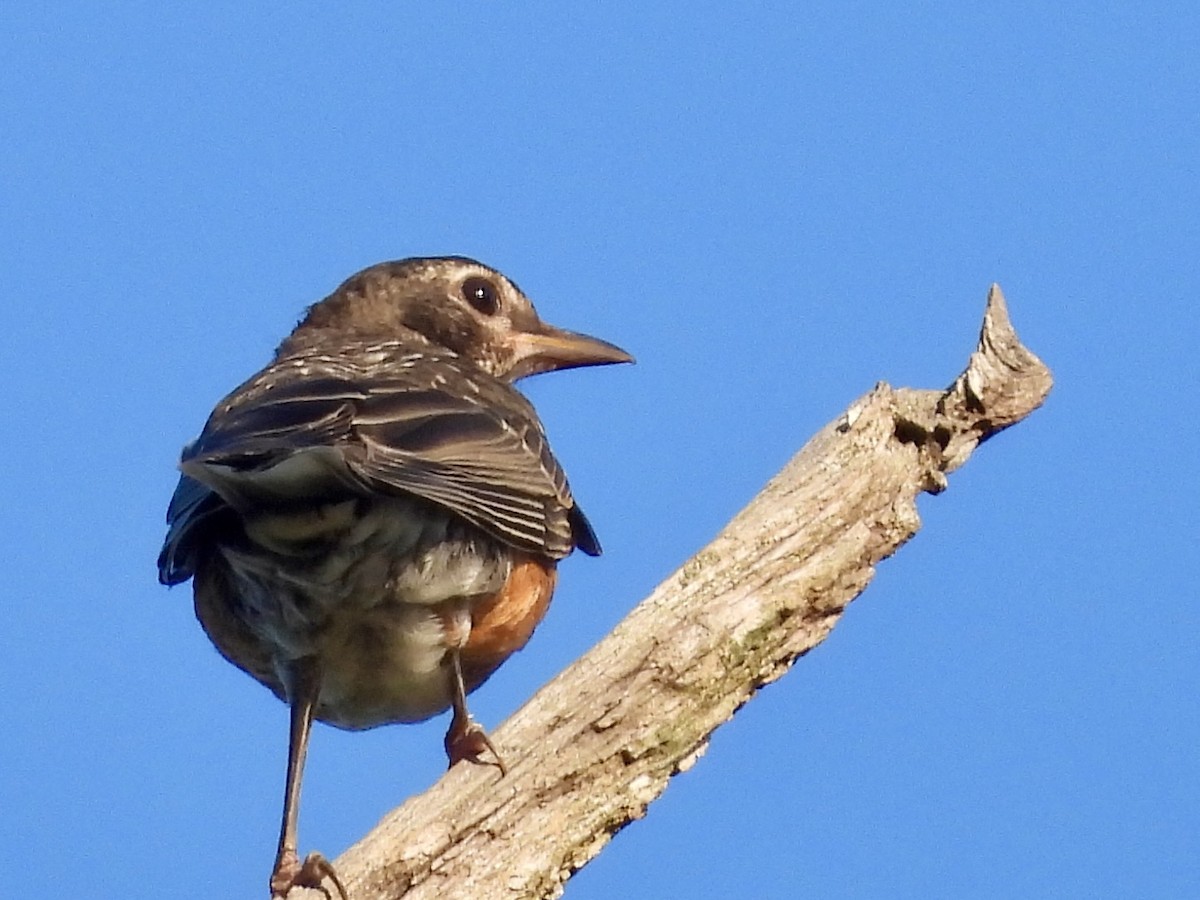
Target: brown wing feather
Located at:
point(381, 417)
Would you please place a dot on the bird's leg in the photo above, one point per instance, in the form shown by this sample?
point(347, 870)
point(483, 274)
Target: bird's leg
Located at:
point(466, 738)
point(303, 687)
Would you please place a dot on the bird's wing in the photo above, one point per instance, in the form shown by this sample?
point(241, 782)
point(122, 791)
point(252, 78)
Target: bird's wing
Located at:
point(192, 509)
point(314, 428)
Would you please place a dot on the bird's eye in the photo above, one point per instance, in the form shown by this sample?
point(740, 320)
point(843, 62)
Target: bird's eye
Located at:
point(482, 295)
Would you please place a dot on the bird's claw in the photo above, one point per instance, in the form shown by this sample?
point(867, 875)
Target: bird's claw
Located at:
point(467, 740)
point(312, 873)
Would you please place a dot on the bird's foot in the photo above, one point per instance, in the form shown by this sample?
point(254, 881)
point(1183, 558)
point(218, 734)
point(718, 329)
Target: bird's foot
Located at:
point(312, 873)
point(467, 740)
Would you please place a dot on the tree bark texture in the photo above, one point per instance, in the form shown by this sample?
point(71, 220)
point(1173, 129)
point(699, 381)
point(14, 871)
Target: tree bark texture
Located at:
point(592, 749)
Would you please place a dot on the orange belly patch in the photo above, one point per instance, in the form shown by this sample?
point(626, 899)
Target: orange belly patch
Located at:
point(503, 623)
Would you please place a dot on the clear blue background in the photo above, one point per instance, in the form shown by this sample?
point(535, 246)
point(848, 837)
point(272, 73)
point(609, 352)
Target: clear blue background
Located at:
point(773, 206)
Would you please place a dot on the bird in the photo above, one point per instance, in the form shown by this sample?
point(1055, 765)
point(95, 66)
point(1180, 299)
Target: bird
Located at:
point(372, 522)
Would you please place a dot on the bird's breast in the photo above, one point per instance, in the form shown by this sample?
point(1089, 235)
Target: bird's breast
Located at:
point(374, 589)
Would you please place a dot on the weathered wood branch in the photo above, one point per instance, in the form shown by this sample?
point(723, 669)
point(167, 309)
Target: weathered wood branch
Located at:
point(603, 738)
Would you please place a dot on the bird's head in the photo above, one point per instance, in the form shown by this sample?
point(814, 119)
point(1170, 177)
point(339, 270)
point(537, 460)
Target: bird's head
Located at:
point(457, 304)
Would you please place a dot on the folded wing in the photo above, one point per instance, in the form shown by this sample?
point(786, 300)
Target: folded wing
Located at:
point(371, 420)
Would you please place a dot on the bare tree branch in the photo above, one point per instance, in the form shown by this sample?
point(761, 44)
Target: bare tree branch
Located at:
point(600, 741)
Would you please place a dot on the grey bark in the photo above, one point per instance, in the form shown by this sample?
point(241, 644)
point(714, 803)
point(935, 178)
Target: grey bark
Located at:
point(599, 742)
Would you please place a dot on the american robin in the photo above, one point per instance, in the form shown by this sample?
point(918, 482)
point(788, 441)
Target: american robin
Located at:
point(372, 522)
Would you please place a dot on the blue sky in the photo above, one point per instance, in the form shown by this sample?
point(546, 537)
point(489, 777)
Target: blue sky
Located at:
point(772, 206)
